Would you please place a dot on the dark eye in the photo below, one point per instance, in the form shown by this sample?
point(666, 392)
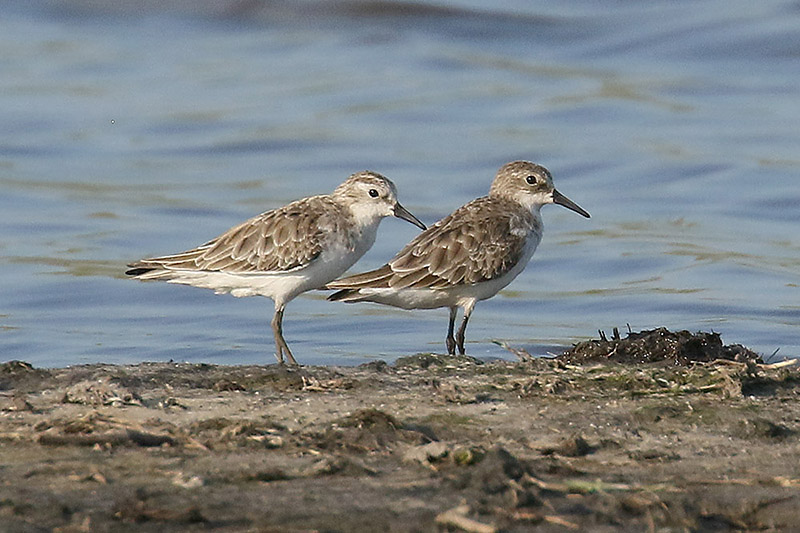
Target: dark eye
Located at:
point(531, 180)
point(373, 193)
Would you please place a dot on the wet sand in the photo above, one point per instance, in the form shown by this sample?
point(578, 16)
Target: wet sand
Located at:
point(431, 443)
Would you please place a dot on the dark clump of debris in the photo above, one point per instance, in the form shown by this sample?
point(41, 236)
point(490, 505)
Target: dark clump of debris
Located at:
point(21, 376)
point(498, 481)
point(368, 431)
point(658, 345)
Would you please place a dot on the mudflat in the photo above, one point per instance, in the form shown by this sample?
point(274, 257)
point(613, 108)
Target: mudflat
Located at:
point(429, 443)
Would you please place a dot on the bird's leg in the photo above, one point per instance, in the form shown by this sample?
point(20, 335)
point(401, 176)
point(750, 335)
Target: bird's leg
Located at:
point(462, 330)
point(280, 343)
point(277, 326)
point(451, 342)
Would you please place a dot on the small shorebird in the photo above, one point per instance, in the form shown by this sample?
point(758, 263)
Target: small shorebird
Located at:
point(467, 256)
point(287, 251)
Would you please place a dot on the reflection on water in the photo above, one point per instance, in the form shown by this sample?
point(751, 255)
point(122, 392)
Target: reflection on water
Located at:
point(128, 132)
point(72, 267)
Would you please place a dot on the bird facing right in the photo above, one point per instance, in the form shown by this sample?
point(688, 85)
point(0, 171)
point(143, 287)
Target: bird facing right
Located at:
point(467, 256)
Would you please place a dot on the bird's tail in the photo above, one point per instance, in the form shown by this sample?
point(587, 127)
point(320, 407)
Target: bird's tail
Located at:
point(348, 289)
point(162, 267)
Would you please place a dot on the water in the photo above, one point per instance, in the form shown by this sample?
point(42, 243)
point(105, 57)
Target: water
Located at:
point(129, 132)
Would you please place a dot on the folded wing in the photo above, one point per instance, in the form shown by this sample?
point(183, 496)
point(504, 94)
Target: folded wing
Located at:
point(281, 240)
point(478, 242)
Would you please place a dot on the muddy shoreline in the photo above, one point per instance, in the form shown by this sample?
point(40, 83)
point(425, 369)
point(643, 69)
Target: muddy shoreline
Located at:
point(430, 443)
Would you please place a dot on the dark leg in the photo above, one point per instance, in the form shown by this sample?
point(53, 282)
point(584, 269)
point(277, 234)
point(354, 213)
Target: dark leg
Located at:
point(451, 342)
point(462, 330)
point(280, 343)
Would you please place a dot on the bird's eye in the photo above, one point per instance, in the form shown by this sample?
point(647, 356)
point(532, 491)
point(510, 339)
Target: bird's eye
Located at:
point(373, 193)
point(531, 180)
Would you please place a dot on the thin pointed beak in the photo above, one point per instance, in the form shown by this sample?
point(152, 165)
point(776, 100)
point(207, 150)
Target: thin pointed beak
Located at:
point(405, 214)
point(560, 199)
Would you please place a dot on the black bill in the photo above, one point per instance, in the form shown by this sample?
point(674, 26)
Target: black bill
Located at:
point(560, 199)
point(405, 214)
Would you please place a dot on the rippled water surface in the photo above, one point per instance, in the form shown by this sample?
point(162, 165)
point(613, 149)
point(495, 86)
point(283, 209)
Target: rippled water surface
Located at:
point(136, 129)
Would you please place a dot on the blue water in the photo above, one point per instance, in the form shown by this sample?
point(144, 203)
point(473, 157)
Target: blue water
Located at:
point(128, 132)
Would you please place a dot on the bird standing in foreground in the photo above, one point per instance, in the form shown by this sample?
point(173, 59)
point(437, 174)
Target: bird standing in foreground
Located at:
point(467, 256)
point(287, 251)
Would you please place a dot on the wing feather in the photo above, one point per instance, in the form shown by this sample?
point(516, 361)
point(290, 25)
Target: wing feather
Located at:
point(478, 242)
point(280, 240)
